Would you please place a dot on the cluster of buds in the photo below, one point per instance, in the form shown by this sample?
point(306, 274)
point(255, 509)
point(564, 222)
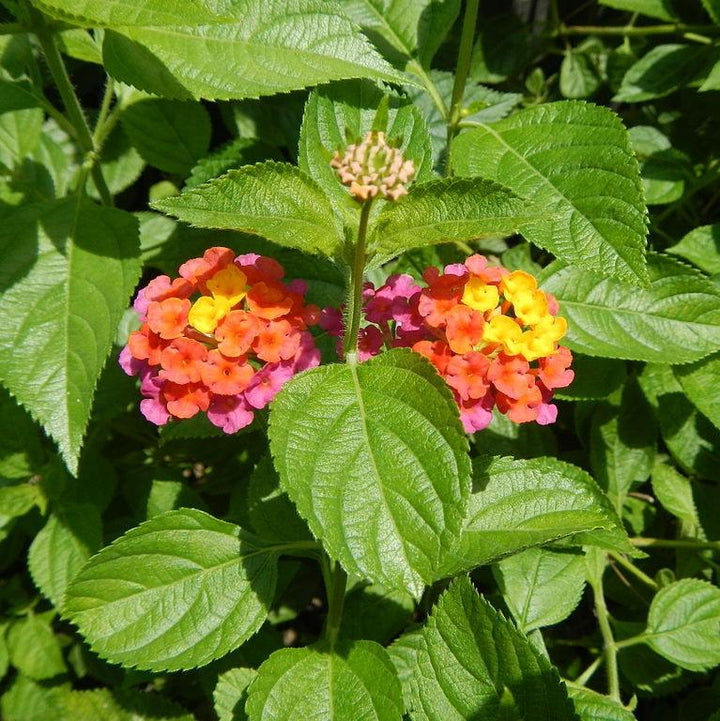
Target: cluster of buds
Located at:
point(223, 338)
point(491, 334)
point(373, 168)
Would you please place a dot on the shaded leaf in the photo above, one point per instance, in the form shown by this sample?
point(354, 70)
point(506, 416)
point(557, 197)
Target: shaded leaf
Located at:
point(230, 693)
point(701, 383)
point(34, 649)
point(701, 247)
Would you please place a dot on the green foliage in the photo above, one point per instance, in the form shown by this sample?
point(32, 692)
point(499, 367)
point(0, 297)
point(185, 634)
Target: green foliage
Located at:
point(701, 247)
point(231, 693)
point(589, 159)
point(448, 674)
point(389, 523)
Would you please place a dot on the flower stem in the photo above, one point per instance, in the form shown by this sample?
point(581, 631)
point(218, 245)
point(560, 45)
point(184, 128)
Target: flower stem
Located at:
point(587, 674)
point(72, 105)
point(609, 646)
point(686, 543)
point(632, 568)
point(461, 73)
point(355, 289)
point(631, 31)
point(336, 582)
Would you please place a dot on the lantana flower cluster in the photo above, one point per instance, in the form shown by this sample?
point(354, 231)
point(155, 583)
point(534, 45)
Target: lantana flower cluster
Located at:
point(222, 339)
point(490, 333)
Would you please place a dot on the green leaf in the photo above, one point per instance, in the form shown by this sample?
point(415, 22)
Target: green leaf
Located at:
point(118, 705)
point(504, 47)
point(518, 504)
point(266, 48)
point(120, 161)
point(595, 378)
point(593, 706)
point(26, 700)
point(663, 70)
point(574, 161)
point(448, 210)
point(342, 114)
point(692, 440)
point(675, 493)
point(412, 28)
point(683, 624)
point(61, 548)
point(230, 693)
point(34, 649)
point(519, 440)
point(20, 133)
point(375, 613)
point(69, 269)
point(677, 317)
point(578, 76)
point(622, 444)
point(701, 247)
point(541, 587)
point(176, 592)
point(239, 152)
point(701, 383)
point(713, 9)
point(336, 434)
point(17, 500)
point(80, 45)
point(274, 200)
point(169, 134)
point(468, 662)
point(4, 653)
point(661, 9)
point(352, 680)
point(17, 95)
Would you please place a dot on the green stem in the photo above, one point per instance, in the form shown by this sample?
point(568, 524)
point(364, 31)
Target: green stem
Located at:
point(74, 109)
point(355, 290)
point(632, 641)
point(104, 110)
point(415, 67)
point(587, 674)
point(688, 543)
point(642, 31)
point(609, 646)
point(461, 73)
point(336, 600)
point(632, 568)
point(12, 28)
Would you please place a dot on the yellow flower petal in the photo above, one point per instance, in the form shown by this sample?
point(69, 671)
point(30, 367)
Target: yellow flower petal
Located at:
point(229, 284)
point(480, 296)
point(207, 312)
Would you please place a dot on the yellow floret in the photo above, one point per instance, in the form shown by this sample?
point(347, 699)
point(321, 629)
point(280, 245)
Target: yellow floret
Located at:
point(480, 296)
point(530, 306)
point(504, 330)
point(517, 281)
point(207, 312)
point(230, 284)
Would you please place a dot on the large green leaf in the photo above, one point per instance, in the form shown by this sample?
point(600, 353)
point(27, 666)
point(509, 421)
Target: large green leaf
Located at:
point(541, 587)
point(176, 592)
point(412, 28)
point(374, 457)
point(266, 47)
point(342, 114)
point(117, 705)
point(683, 624)
point(574, 161)
point(701, 247)
point(62, 547)
point(663, 70)
point(445, 210)
point(517, 504)
point(274, 200)
point(68, 271)
point(35, 649)
point(676, 318)
point(351, 680)
point(468, 662)
point(701, 383)
point(593, 706)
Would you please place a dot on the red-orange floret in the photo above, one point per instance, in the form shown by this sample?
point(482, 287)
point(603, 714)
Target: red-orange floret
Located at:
point(554, 370)
point(437, 352)
point(510, 375)
point(442, 294)
point(168, 318)
point(269, 300)
point(226, 376)
point(199, 270)
point(185, 400)
point(278, 340)
point(467, 375)
point(182, 360)
point(525, 407)
point(464, 328)
point(146, 345)
point(236, 332)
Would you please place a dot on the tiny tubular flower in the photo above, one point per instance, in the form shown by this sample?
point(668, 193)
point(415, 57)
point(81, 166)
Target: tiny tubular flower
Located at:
point(373, 168)
point(222, 339)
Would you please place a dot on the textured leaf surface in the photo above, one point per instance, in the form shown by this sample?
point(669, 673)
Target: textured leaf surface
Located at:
point(274, 200)
point(354, 680)
point(342, 114)
point(231, 693)
point(468, 662)
point(701, 247)
point(375, 460)
point(17, 95)
point(592, 706)
point(177, 591)
point(574, 161)
point(414, 29)
point(34, 649)
point(701, 383)
point(517, 504)
point(62, 547)
point(676, 317)
point(445, 210)
point(675, 493)
point(169, 134)
point(68, 271)
point(683, 624)
point(541, 587)
point(266, 47)
point(663, 70)
point(595, 378)
point(117, 705)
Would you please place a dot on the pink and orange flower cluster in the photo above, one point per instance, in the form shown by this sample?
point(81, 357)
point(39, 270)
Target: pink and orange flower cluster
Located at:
point(490, 333)
point(223, 338)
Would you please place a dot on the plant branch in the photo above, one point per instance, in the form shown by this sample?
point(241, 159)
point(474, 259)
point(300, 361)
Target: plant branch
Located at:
point(632, 641)
point(609, 646)
point(415, 67)
point(355, 290)
point(72, 105)
point(685, 543)
point(632, 568)
point(12, 28)
point(461, 73)
point(588, 673)
point(632, 31)
point(336, 582)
